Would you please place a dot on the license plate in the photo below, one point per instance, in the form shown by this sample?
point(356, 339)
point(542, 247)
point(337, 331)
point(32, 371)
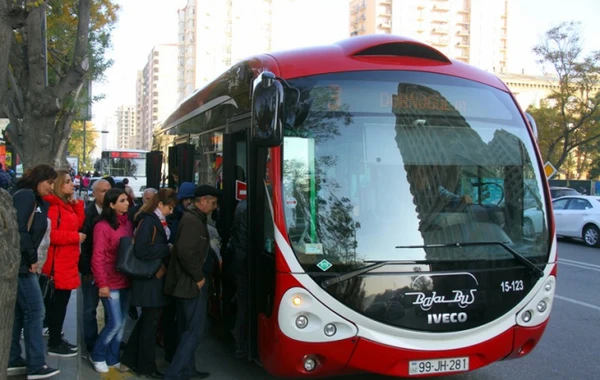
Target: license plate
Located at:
point(422, 367)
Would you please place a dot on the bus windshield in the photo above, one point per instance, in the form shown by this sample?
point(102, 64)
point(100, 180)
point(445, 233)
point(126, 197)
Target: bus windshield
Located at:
point(122, 164)
point(383, 166)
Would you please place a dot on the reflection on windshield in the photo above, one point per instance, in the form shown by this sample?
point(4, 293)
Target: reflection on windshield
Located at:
point(122, 167)
point(446, 162)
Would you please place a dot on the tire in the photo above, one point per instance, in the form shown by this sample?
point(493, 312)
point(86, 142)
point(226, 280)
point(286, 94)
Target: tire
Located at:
point(528, 228)
point(591, 236)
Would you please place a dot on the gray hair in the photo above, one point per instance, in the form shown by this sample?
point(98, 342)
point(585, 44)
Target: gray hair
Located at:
point(150, 189)
point(97, 182)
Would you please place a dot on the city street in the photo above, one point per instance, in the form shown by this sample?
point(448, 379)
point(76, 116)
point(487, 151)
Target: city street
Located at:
point(567, 350)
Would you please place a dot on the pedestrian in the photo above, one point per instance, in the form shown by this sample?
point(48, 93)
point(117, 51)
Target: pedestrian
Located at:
point(66, 215)
point(151, 243)
point(32, 219)
point(128, 188)
point(5, 179)
point(186, 281)
point(147, 195)
point(169, 330)
point(85, 181)
point(113, 286)
point(89, 290)
point(239, 262)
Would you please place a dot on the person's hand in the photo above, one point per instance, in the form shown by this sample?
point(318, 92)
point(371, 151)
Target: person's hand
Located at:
point(200, 284)
point(466, 199)
point(162, 271)
point(33, 268)
point(104, 292)
point(170, 247)
point(82, 237)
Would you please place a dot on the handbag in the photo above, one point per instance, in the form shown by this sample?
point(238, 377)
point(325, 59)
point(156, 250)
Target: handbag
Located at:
point(128, 263)
point(47, 282)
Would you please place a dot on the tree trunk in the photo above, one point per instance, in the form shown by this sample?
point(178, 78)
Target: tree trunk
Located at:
point(10, 258)
point(41, 142)
point(5, 44)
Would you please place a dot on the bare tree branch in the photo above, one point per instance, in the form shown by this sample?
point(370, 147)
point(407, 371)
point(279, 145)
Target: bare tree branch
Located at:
point(35, 53)
point(80, 64)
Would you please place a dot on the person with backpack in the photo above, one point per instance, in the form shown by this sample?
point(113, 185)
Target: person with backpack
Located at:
point(32, 219)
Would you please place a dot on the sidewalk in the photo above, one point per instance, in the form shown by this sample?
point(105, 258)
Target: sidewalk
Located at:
point(213, 355)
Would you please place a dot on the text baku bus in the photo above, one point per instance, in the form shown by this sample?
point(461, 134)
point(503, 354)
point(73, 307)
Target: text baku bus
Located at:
point(388, 190)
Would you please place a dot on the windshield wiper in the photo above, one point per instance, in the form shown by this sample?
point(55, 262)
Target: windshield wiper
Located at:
point(533, 269)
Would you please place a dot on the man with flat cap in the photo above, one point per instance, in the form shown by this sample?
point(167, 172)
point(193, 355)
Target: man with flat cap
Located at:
point(185, 280)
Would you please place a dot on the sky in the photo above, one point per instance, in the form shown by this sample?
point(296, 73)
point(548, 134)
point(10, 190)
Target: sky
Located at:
point(144, 23)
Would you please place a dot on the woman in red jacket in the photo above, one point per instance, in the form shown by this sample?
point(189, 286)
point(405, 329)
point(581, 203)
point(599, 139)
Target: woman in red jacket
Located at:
point(113, 286)
point(66, 215)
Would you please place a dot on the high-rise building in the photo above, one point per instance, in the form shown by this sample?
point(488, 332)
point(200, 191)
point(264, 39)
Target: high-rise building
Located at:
point(156, 92)
point(109, 133)
point(125, 121)
point(472, 31)
point(214, 34)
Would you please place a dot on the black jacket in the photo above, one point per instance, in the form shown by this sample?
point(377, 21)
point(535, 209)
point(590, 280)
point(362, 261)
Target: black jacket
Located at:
point(85, 259)
point(191, 249)
point(149, 292)
point(27, 202)
point(239, 230)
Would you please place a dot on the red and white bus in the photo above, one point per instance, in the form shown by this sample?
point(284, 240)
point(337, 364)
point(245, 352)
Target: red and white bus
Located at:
point(389, 193)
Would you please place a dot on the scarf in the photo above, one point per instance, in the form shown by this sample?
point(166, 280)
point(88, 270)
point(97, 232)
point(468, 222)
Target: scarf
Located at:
point(122, 219)
point(163, 221)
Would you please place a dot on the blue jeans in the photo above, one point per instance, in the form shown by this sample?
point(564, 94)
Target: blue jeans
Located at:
point(29, 316)
point(89, 292)
point(193, 310)
point(109, 340)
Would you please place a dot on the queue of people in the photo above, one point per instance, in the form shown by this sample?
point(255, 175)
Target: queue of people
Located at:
point(82, 248)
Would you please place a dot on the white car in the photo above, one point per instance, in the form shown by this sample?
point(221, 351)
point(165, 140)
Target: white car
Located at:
point(578, 217)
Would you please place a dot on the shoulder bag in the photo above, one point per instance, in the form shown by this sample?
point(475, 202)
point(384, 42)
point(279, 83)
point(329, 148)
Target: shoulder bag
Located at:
point(128, 263)
point(47, 281)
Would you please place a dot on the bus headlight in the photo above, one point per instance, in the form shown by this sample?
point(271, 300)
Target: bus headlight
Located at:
point(301, 322)
point(541, 306)
point(297, 301)
point(548, 287)
point(330, 329)
point(526, 316)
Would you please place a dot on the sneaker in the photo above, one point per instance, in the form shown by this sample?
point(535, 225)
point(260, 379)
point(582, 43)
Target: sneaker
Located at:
point(18, 368)
point(72, 347)
point(43, 373)
point(100, 367)
point(61, 350)
point(46, 332)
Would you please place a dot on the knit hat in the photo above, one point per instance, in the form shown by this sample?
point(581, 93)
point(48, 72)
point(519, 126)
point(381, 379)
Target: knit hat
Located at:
point(186, 190)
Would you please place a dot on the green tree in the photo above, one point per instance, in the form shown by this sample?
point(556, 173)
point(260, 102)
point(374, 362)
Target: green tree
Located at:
point(53, 47)
point(75, 146)
point(569, 118)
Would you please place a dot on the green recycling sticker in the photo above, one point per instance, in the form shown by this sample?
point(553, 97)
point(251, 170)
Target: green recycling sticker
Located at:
point(324, 265)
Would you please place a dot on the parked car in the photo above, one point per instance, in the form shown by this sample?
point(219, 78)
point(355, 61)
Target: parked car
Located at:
point(578, 217)
point(557, 192)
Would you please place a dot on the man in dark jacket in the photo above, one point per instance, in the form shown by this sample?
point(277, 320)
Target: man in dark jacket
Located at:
point(185, 280)
point(88, 289)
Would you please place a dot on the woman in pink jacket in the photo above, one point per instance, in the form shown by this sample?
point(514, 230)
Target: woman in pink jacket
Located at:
point(113, 286)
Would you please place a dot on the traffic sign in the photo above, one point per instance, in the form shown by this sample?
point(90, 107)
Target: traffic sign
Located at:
point(241, 189)
point(549, 170)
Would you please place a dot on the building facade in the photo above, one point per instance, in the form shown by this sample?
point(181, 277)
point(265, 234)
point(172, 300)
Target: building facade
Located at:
point(472, 31)
point(214, 34)
point(125, 123)
point(156, 92)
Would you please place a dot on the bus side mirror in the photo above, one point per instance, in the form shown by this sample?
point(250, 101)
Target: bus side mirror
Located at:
point(267, 111)
point(532, 124)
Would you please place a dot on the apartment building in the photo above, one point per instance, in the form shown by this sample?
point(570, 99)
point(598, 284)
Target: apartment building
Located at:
point(214, 34)
point(156, 92)
point(125, 122)
point(472, 31)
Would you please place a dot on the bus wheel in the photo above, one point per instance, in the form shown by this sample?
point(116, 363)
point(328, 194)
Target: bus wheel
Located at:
point(591, 235)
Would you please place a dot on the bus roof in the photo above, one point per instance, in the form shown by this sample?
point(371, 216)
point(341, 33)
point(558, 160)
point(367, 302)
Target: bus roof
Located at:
point(374, 52)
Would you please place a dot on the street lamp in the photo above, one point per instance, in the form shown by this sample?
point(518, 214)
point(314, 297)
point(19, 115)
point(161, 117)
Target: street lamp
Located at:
point(85, 141)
